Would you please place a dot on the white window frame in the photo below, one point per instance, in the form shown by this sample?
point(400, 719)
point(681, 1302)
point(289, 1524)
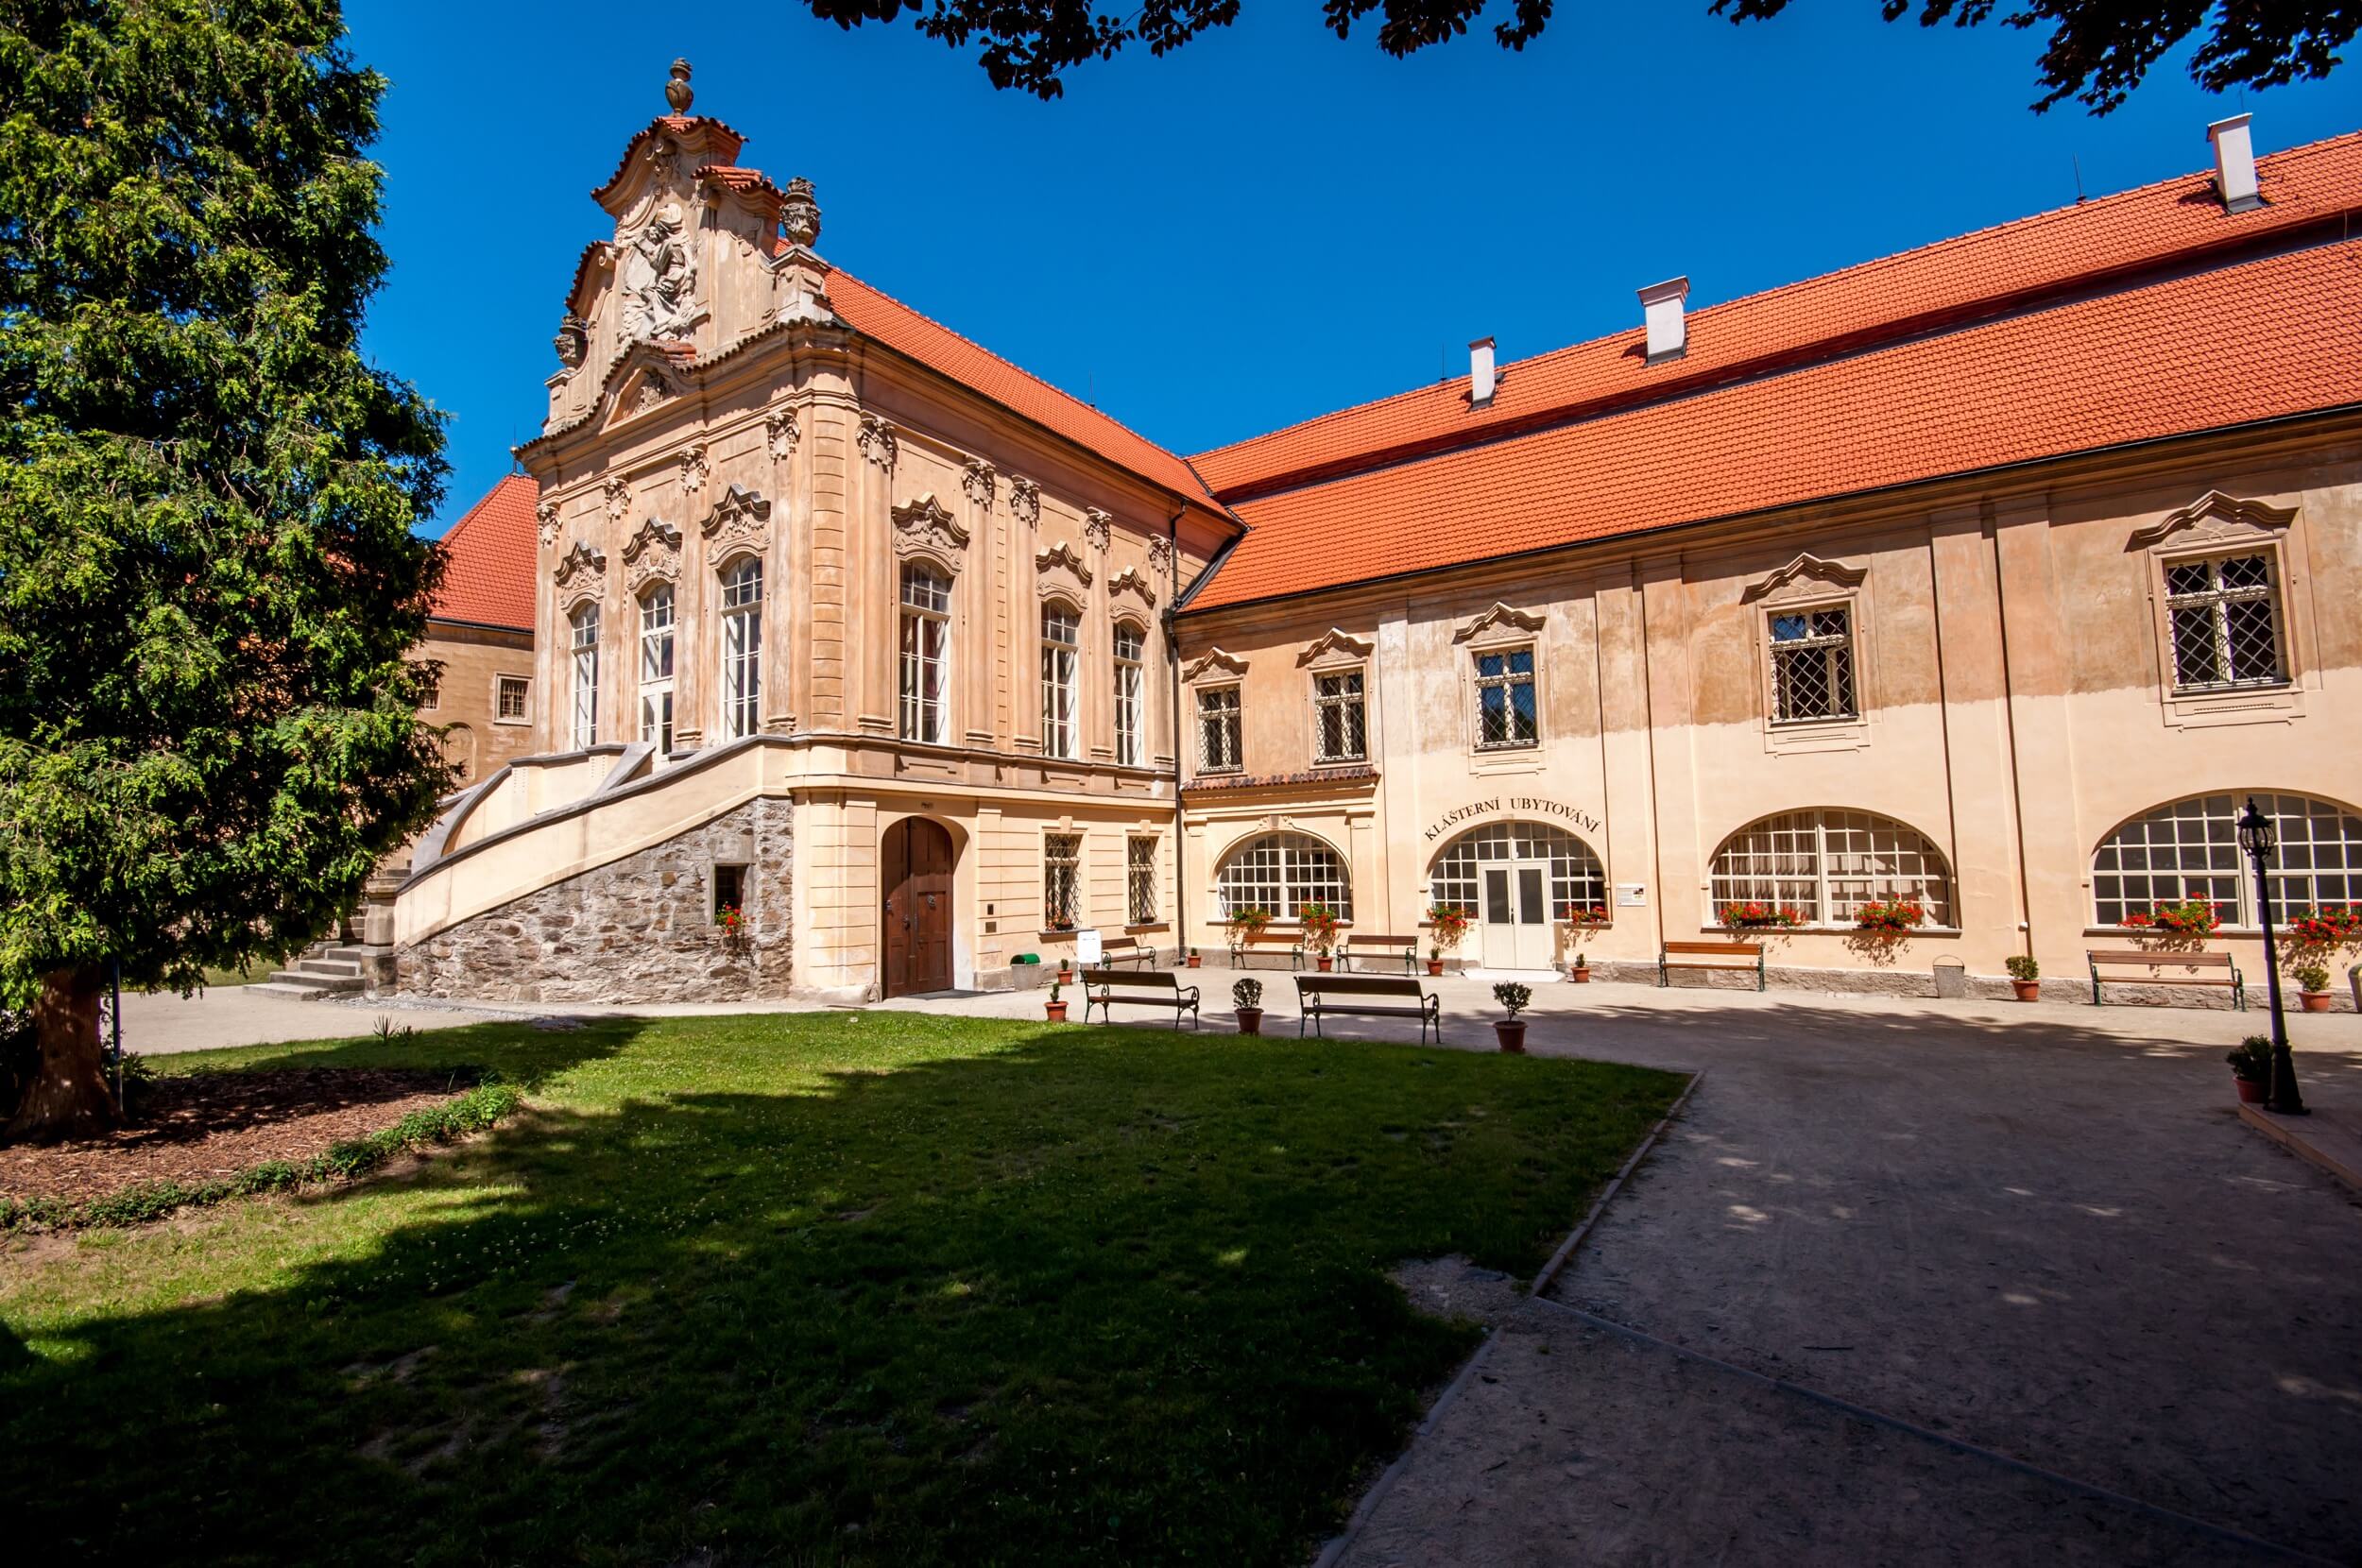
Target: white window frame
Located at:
point(1061, 674)
point(1221, 709)
point(583, 638)
point(2214, 603)
point(1281, 873)
point(1142, 904)
point(1838, 656)
point(924, 653)
point(1790, 858)
point(2317, 861)
point(740, 633)
point(659, 650)
point(1351, 708)
point(1061, 881)
point(523, 687)
point(1131, 695)
point(1507, 681)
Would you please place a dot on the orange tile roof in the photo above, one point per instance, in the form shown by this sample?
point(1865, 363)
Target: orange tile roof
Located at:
point(941, 350)
point(1975, 275)
point(2256, 339)
point(488, 581)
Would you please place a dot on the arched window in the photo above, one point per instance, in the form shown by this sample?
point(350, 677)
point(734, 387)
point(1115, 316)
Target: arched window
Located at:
point(1061, 640)
point(1827, 864)
point(1576, 878)
point(656, 667)
point(584, 626)
point(1131, 684)
point(926, 643)
point(2190, 849)
point(742, 648)
point(1282, 873)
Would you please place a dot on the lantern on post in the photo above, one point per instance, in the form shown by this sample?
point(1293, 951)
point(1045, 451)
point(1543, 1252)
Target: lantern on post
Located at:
point(2258, 839)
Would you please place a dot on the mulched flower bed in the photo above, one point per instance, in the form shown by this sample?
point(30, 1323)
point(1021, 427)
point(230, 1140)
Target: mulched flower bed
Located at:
point(207, 1127)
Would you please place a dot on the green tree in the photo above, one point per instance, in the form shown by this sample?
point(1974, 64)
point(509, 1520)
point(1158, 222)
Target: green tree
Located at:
point(2096, 50)
point(208, 577)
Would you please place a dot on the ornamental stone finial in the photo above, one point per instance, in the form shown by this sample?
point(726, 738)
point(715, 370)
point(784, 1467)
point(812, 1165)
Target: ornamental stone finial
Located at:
point(800, 216)
point(678, 92)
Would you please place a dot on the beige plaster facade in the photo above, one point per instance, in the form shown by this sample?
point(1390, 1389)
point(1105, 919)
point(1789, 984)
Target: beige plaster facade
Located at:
point(481, 735)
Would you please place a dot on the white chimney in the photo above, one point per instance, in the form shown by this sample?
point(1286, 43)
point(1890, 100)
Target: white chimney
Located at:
point(2234, 164)
point(1661, 306)
point(1479, 372)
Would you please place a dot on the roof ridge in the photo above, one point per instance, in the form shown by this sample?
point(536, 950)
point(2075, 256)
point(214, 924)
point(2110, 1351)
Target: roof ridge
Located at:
point(1041, 382)
point(1852, 269)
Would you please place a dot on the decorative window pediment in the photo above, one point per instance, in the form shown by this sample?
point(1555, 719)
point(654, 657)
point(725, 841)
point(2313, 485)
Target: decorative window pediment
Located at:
point(1335, 643)
point(1061, 560)
point(2215, 516)
point(741, 519)
point(1500, 621)
point(580, 561)
point(1804, 577)
point(651, 552)
point(1214, 662)
point(1132, 580)
point(925, 527)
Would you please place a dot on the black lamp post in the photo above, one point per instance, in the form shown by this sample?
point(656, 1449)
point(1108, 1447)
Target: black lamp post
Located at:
point(2258, 839)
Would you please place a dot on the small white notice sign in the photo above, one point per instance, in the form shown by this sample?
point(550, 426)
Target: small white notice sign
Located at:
point(1086, 950)
point(1630, 896)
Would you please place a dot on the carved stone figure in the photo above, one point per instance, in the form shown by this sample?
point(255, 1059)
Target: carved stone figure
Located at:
point(659, 278)
point(800, 216)
point(694, 467)
point(877, 441)
point(1098, 528)
point(980, 482)
point(1024, 500)
point(545, 514)
point(571, 342)
point(1159, 555)
point(781, 432)
point(618, 492)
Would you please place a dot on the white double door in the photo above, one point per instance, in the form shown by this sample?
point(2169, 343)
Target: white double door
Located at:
point(1514, 928)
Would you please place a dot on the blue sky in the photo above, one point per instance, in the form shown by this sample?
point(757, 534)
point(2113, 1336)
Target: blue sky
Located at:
point(1265, 226)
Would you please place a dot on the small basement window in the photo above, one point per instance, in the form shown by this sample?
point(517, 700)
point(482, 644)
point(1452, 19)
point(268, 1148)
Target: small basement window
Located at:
point(729, 889)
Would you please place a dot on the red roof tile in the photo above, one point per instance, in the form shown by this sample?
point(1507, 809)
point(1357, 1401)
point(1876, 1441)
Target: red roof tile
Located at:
point(2257, 339)
point(488, 581)
point(1975, 275)
point(944, 351)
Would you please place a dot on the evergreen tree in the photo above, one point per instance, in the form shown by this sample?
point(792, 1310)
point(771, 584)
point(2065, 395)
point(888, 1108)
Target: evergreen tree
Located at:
point(208, 577)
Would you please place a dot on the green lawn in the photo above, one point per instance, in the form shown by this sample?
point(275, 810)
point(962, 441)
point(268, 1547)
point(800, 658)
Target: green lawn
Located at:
point(818, 1288)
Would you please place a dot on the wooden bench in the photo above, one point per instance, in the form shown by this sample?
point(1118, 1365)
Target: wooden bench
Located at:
point(1159, 988)
point(1125, 949)
point(1271, 942)
point(2118, 957)
point(1365, 995)
point(1381, 949)
point(1708, 956)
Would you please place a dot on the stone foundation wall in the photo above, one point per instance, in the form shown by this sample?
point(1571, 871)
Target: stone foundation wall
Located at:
point(639, 930)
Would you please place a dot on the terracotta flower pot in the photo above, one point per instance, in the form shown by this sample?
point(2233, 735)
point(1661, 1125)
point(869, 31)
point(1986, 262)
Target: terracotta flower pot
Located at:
point(2027, 991)
point(2250, 1090)
point(1435, 968)
point(1324, 962)
point(1250, 1020)
point(1066, 975)
point(1511, 1032)
point(1056, 1010)
point(2315, 1002)
point(1193, 961)
point(1580, 974)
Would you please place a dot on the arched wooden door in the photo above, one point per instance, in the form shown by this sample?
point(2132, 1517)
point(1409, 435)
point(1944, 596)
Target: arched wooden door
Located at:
point(918, 880)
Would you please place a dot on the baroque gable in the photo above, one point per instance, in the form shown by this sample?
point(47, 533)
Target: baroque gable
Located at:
point(1132, 580)
point(1062, 559)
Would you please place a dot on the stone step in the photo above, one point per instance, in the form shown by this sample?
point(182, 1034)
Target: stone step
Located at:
point(326, 968)
point(310, 985)
point(353, 951)
point(289, 989)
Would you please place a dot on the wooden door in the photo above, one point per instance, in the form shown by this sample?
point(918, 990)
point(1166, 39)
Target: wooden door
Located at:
point(917, 877)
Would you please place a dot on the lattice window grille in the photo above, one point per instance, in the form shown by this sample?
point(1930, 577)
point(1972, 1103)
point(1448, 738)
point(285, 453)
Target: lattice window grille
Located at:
point(2225, 623)
point(1061, 879)
point(1812, 665)
point(1140, 880)
point(1506, 710)
point(1218, 728)
point(1340, 727)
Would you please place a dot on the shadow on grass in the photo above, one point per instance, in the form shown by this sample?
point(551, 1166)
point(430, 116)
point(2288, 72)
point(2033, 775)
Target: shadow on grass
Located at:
point(1001, 1294)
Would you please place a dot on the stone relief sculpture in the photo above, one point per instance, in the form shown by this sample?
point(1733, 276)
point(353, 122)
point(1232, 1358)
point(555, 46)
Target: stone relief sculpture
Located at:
point(545, 514)
point(653, 552)
point(581, 561)
point(572, 341)
point(982, 482)
point(925, 524)
point(1098, 528)
point(877, 441)
point(780, 432)
point(659, 278)
point(1024, 500)
point(694, 467)
point(618, 495)
point(740, 518)
point(1159, 555)
point(800, 216)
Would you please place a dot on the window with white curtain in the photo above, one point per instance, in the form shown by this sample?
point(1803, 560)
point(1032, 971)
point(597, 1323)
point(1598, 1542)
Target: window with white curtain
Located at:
point(742, 648)
point(1282, 873)
point(1131, 685)
point(584, 626)
point(656, 667)
point(926, 641)
point(1827, 864)
point(1061, 642)
point(2190, 849)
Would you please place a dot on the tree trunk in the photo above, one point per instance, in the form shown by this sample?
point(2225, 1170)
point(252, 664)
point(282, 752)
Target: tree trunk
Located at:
point(68, 1098)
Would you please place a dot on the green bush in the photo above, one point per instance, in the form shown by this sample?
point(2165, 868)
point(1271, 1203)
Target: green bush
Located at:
point(2022, 967)
point(2252, 1059)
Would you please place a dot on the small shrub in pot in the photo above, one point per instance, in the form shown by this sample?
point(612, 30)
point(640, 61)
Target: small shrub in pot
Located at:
point(2251, 1066)
point(1248, 994)
point(2026, 977)
point(1511, 1030)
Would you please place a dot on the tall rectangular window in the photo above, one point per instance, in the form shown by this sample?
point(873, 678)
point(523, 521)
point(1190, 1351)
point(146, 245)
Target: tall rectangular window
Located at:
point(1061, 640)
point(1506, 713)
point(585, 624)
point(742, 649)
point(655, 668)
point(1812, 665)
point(1217, 738)
point(1340, 725)
point(1061, 880)
point(513, 701)
point(1140, 880)
point(926, 638)
point(2226, 626)
point(1130, 685)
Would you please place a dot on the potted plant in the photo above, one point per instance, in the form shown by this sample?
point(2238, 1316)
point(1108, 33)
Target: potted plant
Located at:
point(1055, 1006)
point(1321, 926)
point(1511, 1029)
point(2313, 986)
point(1755, 915)
point(2251, 1068)
point(1239, 926)
point(1065, 969)
point(1192, 960)
point(2026, 977)
point(1248, 995)
point(1582, 921)
point(731, 921)
point(1446, 924)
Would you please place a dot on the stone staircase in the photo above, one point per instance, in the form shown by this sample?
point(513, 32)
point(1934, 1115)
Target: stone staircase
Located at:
point(323, 969)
